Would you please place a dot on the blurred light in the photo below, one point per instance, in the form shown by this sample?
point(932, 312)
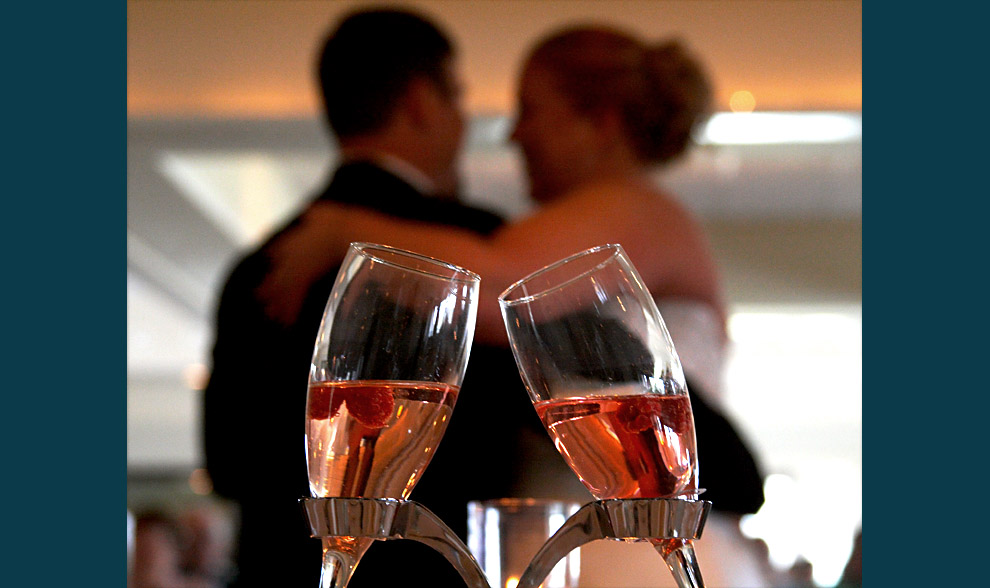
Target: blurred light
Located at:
point(558, 575)
point(200, 482)
point(794, 382)
point(512, 582)
point(493, 558)
point(247, 193)
point(769, 523)
point(488, 131)
point(756, 128)
point(131, 527)
point(742, 101)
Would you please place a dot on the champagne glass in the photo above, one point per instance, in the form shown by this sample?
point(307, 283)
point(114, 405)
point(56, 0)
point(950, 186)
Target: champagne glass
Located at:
point(387, 366)
point(602, 372)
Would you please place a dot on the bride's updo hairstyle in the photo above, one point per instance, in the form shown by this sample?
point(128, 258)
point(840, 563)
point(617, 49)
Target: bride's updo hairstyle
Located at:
point(660, 91)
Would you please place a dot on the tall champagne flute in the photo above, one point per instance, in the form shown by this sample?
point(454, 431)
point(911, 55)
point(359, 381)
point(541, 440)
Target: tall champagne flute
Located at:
point(387, 367)
point(602, 372)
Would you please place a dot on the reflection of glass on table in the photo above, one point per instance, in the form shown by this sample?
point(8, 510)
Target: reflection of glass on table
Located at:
point(504, 535)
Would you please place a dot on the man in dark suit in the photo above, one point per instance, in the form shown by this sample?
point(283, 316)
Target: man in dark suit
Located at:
point(392, 100)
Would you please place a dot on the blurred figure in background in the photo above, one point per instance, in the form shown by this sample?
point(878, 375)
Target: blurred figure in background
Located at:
point(209, 545)
point(157, 552)
point(599, 112)
point(392, 100)
point(162, 545)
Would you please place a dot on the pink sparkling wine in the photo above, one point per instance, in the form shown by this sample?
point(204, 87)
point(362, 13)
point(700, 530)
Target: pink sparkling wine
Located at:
point(626, 446)
point(373, 438)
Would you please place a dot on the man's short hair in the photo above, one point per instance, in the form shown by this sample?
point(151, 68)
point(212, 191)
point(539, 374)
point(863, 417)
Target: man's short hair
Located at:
point(367, 64)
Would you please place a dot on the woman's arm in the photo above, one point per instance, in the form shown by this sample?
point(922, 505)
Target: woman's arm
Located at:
point(663, 242)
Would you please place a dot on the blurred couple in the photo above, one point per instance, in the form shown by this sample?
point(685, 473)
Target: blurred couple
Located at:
point(598, 111)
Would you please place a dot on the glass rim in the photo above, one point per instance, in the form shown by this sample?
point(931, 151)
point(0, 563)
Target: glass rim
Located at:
point(459, 274)
point(615, 248)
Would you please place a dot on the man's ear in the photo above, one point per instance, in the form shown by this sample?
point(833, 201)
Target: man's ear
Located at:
point(422, 102)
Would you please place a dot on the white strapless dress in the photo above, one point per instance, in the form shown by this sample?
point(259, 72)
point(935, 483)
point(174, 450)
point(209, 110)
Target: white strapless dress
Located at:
point(699, 338)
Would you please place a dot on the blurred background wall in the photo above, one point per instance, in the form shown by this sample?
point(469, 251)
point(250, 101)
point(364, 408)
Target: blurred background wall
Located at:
point(225, 141)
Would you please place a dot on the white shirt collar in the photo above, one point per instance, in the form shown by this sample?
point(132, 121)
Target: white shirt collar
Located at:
point(398, 167)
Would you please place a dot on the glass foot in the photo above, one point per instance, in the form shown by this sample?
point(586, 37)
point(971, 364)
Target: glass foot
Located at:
point(386, 518)
point(665, 519)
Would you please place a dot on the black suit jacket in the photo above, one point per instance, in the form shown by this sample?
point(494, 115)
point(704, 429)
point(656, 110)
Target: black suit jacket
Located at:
point(255, 401)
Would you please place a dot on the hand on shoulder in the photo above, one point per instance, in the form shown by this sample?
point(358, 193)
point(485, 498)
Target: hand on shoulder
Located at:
point(299, 257)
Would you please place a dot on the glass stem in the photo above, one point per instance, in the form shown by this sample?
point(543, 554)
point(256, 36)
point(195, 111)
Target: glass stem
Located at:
point(680, 559)
point(338, 564)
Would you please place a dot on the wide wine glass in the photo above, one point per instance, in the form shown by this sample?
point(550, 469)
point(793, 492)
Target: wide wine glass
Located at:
point(387, 366)
point(602, 372)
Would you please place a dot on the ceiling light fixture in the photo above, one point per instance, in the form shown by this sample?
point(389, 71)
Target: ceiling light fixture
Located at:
point(755, 128)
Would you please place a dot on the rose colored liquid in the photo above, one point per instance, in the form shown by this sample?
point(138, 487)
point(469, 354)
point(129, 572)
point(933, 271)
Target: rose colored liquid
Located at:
point(373, 439)
point(626, 446)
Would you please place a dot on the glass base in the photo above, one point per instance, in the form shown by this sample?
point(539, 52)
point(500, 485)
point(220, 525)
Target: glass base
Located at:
point(634, 519)
point(670, 524)
point(387, 518)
